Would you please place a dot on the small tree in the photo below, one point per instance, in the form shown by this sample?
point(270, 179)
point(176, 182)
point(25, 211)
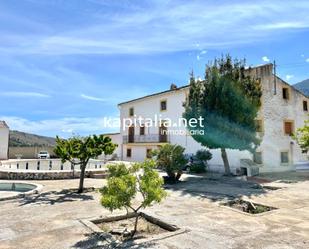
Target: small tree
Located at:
point(228, 101)
point(124, 183)
point(302, 136)
point(170, 158)
point(203, 156)
point(78, 151)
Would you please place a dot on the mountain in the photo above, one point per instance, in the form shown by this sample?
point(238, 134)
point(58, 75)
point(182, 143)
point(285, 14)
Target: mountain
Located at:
point(303, 86)
point(18, 139)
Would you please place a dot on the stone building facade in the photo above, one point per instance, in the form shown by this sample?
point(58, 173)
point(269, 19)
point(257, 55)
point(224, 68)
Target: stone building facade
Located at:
point(283, 110)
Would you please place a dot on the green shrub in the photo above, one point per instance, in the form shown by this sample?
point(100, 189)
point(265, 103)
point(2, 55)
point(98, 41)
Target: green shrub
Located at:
point(124, 183)
point(171, 158)
point(198, 168)
point(203, 155)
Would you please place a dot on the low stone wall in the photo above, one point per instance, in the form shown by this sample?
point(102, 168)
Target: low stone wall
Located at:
point(46, 164)
point(45, 175)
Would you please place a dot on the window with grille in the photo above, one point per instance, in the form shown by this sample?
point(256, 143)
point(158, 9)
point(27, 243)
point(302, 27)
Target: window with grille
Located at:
point(257, 157)
point(148, 153)
point(285, 93)
point(163, 105)
point(284, 157)
point(129, 152)
point(131, 112)
point(288, 128)
point(305, 105)
point(259, 125)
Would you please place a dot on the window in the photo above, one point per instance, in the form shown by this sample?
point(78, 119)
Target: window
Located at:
point(257, 157)
point(285, 93)
point(163, 105)
point(131, 112)
point(148, 153)
point(305, 105)
point(142, 130)
point(259, 125)
point(284, 157)
point(129, 152)
point(288, 128)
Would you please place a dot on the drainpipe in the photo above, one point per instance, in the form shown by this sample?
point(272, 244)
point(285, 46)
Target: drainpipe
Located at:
point(292, 152)
point(275, 79)
point(121, 151)
point(8, 150)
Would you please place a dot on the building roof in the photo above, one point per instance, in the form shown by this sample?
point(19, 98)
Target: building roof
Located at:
point(110, 134)
point(294, 88)
point(186, 86)
point(154, 94)
point(3, 124)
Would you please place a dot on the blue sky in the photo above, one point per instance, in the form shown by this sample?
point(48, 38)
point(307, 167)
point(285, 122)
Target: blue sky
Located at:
point(65, 64)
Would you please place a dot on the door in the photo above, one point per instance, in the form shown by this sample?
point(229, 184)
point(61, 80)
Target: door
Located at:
point(131, 134)
point(162, 134)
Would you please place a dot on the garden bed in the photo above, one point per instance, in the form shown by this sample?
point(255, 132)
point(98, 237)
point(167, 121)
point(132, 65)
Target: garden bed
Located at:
point(267, 187)
point(248, 207)
point(121, 227)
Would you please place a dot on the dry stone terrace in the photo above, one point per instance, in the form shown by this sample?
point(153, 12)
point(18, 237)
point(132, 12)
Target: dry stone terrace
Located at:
point(52, 218)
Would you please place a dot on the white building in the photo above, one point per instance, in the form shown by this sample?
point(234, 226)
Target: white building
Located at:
point(283, 110)
point(4, 140)
point(116, 139)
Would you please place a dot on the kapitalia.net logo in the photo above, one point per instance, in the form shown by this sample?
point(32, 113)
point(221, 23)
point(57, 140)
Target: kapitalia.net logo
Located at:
point(179, 126)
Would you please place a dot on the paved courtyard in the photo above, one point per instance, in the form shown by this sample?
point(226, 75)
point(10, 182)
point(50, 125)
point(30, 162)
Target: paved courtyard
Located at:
point(52, 218)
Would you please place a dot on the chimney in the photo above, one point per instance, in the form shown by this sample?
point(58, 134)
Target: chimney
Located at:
point(260, 71)
point(173, 87)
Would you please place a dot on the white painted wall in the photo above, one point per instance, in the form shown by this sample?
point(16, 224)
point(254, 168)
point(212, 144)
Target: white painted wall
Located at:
point(4, 142)
point(46, 164)
point(116, 139)
point(273, 112)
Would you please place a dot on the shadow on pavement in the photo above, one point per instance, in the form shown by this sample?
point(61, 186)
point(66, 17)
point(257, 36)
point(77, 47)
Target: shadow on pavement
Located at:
point(54, 197)
point(285, 177)
point(217, 187)
point(95, 241)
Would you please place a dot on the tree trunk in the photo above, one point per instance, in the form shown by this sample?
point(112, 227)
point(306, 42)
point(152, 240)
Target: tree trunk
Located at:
point(178, 175)
point(225, 162)
point(135, 226)
point(81, 179)
point(171, 175)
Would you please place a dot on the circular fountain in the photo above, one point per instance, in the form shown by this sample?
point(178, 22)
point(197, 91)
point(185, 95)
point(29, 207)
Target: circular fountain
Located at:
point(10, 190)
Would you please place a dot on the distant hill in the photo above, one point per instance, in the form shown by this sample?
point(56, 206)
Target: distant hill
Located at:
point(303, 86)
point(18, 139)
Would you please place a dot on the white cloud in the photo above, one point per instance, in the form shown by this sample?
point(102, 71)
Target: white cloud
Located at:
point(88, 97)
point(265, 58)
point(289, 76)
point(24, 94)
point(282, 25)
point(307, 60)
point(166, 26)
point(201, 54)
point(63, 126)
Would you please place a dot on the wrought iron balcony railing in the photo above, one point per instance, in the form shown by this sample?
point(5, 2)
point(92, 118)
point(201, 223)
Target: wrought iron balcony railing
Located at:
point(150, 138)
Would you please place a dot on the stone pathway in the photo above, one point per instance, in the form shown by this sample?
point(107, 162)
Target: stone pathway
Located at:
point(52, 219)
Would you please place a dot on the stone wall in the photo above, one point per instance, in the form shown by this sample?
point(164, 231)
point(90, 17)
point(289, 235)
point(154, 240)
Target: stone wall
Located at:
point(46, 175)
point(29, 152)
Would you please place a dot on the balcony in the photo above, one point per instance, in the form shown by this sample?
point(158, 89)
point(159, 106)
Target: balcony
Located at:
point(151, 138)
